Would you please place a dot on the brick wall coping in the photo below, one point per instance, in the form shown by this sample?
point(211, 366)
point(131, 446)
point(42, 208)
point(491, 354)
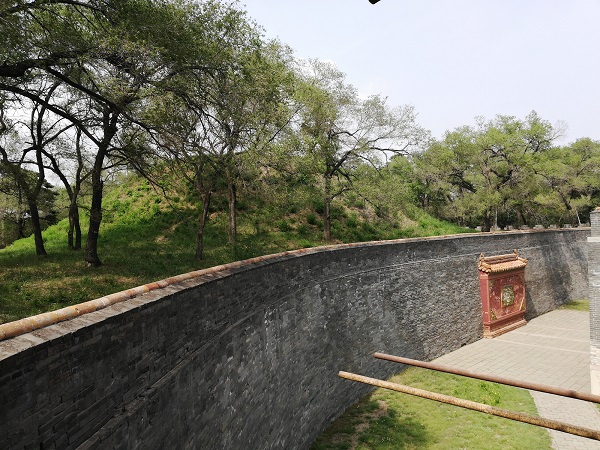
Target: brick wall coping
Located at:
point(28, 324)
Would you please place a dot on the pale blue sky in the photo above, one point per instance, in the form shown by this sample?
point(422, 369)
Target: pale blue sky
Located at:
point(455, 60)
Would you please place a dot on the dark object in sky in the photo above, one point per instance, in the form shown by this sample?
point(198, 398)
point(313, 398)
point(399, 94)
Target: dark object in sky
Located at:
point(373, 1)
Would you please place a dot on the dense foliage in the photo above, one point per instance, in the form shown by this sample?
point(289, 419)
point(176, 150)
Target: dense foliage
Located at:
point(94, 88)
point(509, 172)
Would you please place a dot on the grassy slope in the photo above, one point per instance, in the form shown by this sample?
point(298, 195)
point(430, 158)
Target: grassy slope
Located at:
point(391, 420)
point(144, 239)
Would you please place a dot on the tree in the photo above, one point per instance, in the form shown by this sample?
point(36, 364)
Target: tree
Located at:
point(485, 175)
point(73, 45)
point(392, 190)
point(571, 177)
point(113, 59)
point(247, 106)
point(15, 209)
point(72, 168)
point(223, 122)
point(194, 153)
point(21, 147)
point(339, 130)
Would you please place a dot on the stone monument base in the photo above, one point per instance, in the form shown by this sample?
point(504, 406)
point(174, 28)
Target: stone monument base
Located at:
point(497, 328)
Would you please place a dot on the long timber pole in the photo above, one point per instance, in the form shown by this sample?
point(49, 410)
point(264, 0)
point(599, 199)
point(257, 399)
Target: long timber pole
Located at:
point(467, 404)
point(495, 379)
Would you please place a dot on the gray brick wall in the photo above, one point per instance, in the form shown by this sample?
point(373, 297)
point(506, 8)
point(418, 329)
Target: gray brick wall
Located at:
point(595, 222)
point(594, 297)
point(248, 357)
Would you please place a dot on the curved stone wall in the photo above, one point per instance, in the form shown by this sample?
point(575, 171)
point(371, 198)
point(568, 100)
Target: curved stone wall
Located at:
point(247, 356)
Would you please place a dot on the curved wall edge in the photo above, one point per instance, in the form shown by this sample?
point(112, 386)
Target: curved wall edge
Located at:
point(246, 355)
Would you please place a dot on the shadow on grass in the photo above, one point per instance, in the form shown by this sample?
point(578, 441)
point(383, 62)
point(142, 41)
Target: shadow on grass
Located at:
point(371, 424)
point(390, 420)
point(391, 431)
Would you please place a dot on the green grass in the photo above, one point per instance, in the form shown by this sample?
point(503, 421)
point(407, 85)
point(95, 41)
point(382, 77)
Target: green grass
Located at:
point(132, 253)
point(577, 305)
point(391, 420)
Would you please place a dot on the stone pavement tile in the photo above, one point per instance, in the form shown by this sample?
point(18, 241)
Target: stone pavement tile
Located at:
point(552, 349)
point(574, 412)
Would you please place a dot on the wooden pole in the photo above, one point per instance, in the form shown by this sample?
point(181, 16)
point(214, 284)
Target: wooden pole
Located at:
point(493, 378)
point(467, 404)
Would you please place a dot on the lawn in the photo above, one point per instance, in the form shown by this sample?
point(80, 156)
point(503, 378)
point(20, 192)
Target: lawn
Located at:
point(391, 420)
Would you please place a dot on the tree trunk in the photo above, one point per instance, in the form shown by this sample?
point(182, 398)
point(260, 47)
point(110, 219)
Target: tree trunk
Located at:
point(77, 230)
point(232, 199)
point(74, 225)
point(487, 222)
point(21, 228)
point(70, 242)
point(567, 203)
point(201, 225)
point(37, 227)
point(31, 199)
point(74, 195)
point(327, 209)
point(326, 219)
point(74, 232)
point(523, 218)
point(91, 246)
point(496, 219)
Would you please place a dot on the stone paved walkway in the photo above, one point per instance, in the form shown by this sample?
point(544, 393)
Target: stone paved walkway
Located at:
point(552, 349)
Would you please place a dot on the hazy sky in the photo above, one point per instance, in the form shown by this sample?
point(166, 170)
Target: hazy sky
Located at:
point(455, 60)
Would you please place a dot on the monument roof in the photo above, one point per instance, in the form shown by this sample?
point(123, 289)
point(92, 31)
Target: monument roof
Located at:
point(501, 263)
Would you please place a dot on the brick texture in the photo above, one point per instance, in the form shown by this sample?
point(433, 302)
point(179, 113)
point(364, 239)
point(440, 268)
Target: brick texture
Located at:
point(248, 357)
point(595, 222)
point(594, 297)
